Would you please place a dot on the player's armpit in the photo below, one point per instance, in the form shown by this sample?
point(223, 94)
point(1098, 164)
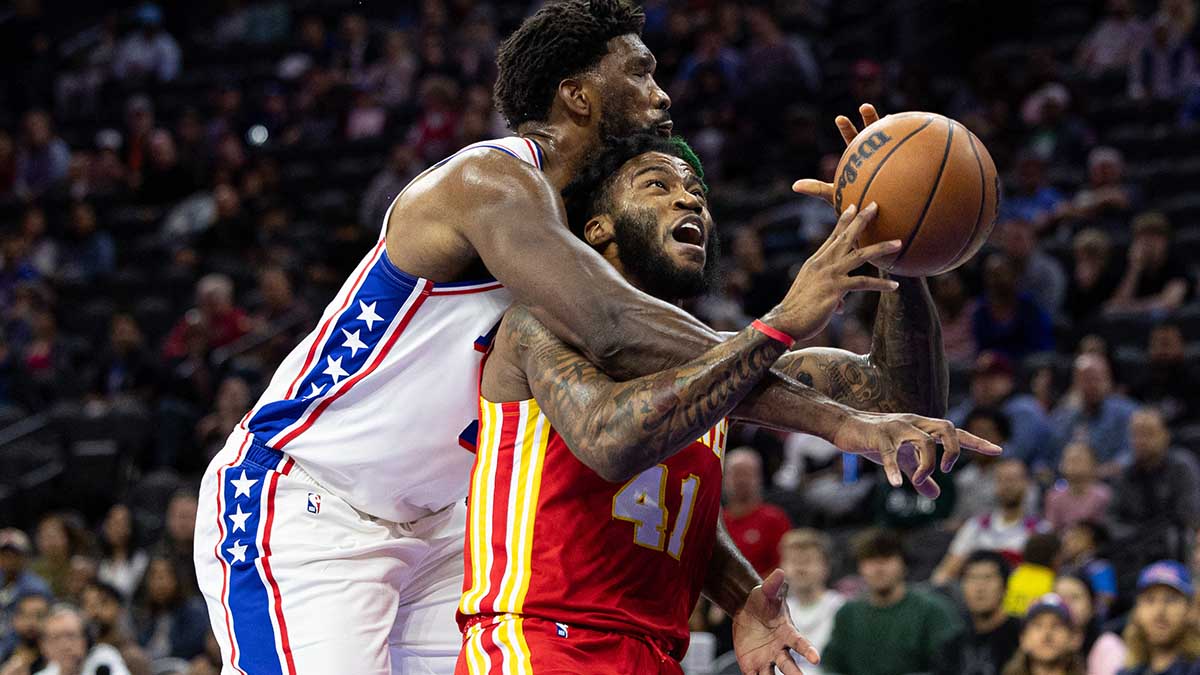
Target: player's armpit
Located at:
point(619, 429)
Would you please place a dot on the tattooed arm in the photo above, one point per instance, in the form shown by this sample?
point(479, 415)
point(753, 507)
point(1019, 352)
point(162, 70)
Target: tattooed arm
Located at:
point(618, 429)
point(906, 369)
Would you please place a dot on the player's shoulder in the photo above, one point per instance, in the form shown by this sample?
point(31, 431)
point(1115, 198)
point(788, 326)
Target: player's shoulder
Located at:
point(513, 153)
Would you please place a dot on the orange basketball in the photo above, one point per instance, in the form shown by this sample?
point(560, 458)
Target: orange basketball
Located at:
point(935, 184)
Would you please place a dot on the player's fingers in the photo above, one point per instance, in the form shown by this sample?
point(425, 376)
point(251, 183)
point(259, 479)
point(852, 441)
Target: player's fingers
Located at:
point(871, 253)
point(846, 127)
point(869, 114)
point(972, 442)
point(891, 467)
point(867, 283)
point(774, 586)
point(929, 489)
point(786, 664)
point(843, 222)
point(864, 218)
point(944, 432)
point(926, 448)
point(814, 188)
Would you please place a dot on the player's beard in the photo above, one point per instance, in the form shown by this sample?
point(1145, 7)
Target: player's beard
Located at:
point(640, 250)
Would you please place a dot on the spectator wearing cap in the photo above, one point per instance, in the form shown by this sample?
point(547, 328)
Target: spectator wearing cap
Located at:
point(993, 385)
point(148, 54)
point(1006, 319)
point(15, 580)
point(755, 526)
point(993, 635)
point(1038, 273)
point(1156, 505)
point(1094, 275)
point(64, 643)
point(1005, 530)
point(1155, 280)
point(1168, 378)
point(806, 559)
point(1080, 494)
point(1161, 637)
point(19, 646)
point(1049, 641)
point(1096, 413)
point(908, 631)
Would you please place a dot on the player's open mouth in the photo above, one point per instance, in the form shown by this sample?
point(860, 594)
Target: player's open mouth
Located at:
point(689, 230)
point(665, 128)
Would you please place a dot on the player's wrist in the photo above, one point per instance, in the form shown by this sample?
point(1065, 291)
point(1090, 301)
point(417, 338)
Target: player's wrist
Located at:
point(773, 333)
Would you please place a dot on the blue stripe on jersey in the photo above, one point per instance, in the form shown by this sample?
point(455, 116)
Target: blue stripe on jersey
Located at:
point(249, 599)
point(349, 345)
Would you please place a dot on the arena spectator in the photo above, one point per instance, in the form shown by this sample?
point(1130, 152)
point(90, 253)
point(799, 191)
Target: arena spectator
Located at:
point(806, 559)
point(164, 180)
point(215, 321)
point(1080, 495)
point(1112, 43)
point(1077, 593)
point(1107, 194)
point(1165, 68)
point(43, 251)
point(1034, 200)
point(955, 309)
point(124, 366)
point(176, 544)
point(1038, 273)
point(230, 234)
point(169, 621)
point(59, 537)
point(1155, 279)
point(391, 77)
point(993, 635)
point(88, 253)
point(108, 623)
point(1079, 554)
point(64, 644)
point(232, 402)
point(20, 650)
point(42, 157)
point(993, 385)
point(123, 562)
point(1033, 577)
point(756, 527)
point(909, 630)
point(1005, 530)
point(975, 480)
point(1058, 134)
point(149, 54)
point(1049, 641)
point(1094, 275)
point(1167, 379)
point(383, 188)
point(18, 580)
point(1161, 636)
point(1096, 414)
point(1156, 505)
point(1007, 320)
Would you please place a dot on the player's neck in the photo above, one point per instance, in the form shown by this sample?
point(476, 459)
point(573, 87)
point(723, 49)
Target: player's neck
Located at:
point(566, 147)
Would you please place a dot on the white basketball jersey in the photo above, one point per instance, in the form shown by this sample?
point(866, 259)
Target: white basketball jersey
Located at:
point(379, 403)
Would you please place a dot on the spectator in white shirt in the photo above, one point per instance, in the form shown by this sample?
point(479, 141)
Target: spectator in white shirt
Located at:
point(149, 53)
point(805, 556)
point(65, 646)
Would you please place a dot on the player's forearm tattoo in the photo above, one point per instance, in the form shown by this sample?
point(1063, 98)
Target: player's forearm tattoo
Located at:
point(626, 427)
point(906, 369)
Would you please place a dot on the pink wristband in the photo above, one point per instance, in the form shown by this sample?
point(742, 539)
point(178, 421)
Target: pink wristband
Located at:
point(773, 333)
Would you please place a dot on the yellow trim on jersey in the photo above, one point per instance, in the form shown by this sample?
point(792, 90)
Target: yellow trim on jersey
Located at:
point(477, 658)
point(537, 440)
point(480, 510)
point(521, 453)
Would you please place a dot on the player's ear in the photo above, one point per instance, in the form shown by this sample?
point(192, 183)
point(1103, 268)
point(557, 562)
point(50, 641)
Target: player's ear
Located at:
point(598, 231)
point(575, 96)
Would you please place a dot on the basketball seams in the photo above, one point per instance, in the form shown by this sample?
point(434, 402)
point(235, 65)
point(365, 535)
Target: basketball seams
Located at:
point(912, 236)
point(862, 199)
point(982, 195)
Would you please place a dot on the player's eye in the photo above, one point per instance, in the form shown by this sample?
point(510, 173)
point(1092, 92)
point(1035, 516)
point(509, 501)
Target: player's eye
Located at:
point(654, 182)
point(699, 194)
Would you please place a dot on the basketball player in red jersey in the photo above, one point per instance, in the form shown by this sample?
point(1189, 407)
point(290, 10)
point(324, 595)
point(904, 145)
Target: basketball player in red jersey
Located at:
point(593, 522)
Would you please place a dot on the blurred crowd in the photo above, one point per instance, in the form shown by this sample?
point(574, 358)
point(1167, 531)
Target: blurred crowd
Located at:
point(183, 188)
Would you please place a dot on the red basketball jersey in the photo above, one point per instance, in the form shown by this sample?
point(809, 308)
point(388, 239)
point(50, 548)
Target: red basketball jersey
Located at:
point(548, 538)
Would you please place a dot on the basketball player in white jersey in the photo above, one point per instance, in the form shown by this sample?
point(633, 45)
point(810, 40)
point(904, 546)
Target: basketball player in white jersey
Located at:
point(330, 528)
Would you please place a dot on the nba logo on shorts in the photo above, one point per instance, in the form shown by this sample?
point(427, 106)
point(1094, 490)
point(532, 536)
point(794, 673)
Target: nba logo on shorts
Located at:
point(561, 629)
point(314, 503)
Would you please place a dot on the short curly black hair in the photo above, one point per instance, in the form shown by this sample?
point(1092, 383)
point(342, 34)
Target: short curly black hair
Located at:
point(560, 40)
point(587, 194)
